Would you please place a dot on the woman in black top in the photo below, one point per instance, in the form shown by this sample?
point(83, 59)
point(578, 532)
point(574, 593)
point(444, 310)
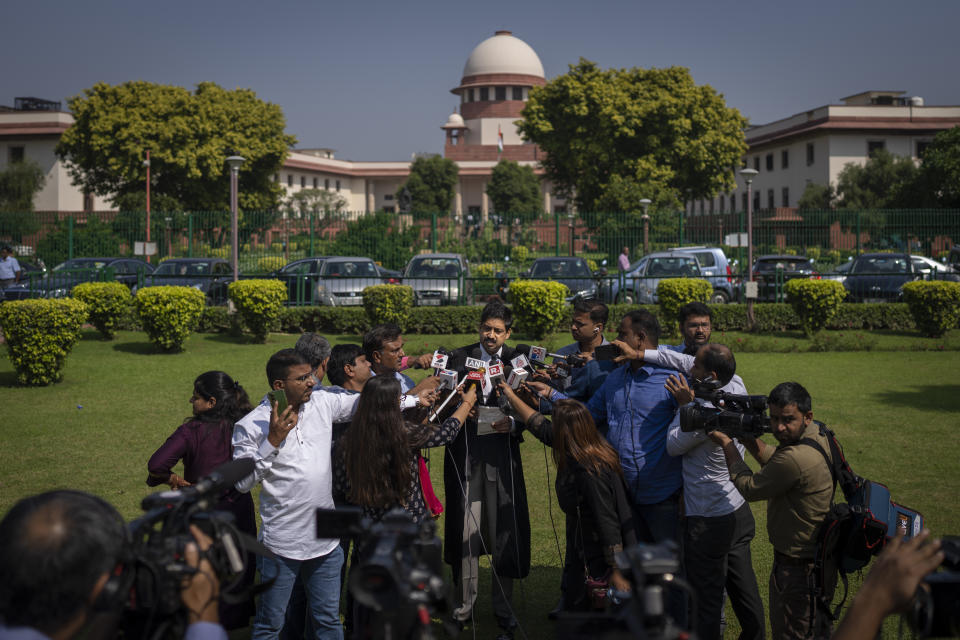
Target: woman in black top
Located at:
point(589, 489)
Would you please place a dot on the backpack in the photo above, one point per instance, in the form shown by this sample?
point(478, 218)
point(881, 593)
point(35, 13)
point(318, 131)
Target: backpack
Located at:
point(855, 531)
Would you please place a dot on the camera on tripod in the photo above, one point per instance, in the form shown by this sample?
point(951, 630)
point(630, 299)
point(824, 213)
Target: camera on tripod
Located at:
point(734, 415)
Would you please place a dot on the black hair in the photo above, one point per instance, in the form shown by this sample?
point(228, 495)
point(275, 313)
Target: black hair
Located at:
point(54, 547)
point(787, 393)
point(278, 366)
point(646, 322)
point(314, 347)
point(232, 401)
point(693, 309)
point(599, 313)
point(374, 339)
point(496, 310)
point(719, 359)
point(340, 357)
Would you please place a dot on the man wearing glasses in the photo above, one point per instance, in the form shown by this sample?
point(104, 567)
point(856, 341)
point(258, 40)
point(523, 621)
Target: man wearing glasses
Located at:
point(291, 451)
point(694, 319)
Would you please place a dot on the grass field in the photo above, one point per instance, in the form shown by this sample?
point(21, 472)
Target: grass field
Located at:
point(894, 412)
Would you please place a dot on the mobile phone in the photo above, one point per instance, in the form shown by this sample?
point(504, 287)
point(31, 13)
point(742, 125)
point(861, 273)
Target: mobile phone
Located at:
point(279, 396)
point(606, 352)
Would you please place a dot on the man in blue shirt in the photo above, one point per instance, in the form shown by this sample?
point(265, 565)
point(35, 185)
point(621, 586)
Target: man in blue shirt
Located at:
point(589, 321)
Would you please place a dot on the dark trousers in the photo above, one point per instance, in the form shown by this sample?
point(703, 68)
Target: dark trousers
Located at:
point(717, 555)
point(656, 524)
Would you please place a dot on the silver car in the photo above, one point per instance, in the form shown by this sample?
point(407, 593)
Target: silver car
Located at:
point(438, 279)
point(341, 281)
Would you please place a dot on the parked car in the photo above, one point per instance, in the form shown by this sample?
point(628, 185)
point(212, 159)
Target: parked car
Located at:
point(66, 275)
point(933, 270)
point(772, 272)
point(438, 278)
point(639, 282)
point(327, 280)
point(838, 273)
point(715, 267)
point(389, 276)
point(209, 275)
point(879, 277)
point(571, 271)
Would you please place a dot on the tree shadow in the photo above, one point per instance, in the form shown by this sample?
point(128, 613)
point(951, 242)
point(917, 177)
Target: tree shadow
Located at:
point(8, 379)
point(142, 349)
point(230, 338)
point(930, 397)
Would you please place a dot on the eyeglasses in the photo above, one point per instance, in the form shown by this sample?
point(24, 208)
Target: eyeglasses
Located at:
point(304, 378)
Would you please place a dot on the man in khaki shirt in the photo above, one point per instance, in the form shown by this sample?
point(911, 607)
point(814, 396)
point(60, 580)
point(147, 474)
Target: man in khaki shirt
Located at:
point(796, 482)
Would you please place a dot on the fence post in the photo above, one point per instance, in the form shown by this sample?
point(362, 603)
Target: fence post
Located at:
point(433, 232)
point(556, 217)
point(70, 237)
point(858, 232)
point(190, 235)
point(680, 244)
point(313, 215)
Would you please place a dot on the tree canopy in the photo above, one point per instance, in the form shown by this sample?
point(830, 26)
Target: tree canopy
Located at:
point(940, 169)
point(514, 191)
point(19, 183)
point(883, 182)
point(614, 136)
point(189, 135)
point(431, 184)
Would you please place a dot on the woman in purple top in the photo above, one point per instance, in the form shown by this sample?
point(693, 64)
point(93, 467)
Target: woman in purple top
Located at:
point(203, 442)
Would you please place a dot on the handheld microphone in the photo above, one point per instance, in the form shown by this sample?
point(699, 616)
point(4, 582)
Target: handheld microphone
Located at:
point(440, 360)
point(539, 356)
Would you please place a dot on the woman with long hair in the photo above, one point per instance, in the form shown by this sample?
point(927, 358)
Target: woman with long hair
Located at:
point(203, 442)
point(590, 491)
point(377, 466)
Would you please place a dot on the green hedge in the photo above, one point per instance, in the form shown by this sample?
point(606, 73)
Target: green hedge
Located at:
point(388, 303)
point(815, 302)
point(108, 305)
point(673, 294)
point(169, 314)
point(935, 306)
point(259, 303)
point(40, 335)
point(538, 307)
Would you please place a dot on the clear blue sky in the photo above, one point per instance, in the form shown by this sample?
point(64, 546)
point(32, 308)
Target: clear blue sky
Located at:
point(372, 79)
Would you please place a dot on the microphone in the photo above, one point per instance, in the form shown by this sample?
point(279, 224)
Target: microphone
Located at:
point(539, 356)
point(440, 360)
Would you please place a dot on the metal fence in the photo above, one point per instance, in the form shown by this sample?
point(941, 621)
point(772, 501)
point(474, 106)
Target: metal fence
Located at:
point(269, 239)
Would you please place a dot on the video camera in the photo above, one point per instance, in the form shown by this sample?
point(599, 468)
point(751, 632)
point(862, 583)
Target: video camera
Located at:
point(936, 607)
point(154, 569)
point(641, 612)
point(399, 572)
point(732, 414)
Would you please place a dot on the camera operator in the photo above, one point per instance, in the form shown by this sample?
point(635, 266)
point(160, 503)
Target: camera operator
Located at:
point(798, 486)
point(60, 552)
point(890, 586)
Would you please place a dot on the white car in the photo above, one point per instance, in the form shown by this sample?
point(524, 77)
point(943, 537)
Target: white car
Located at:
point(933, 270)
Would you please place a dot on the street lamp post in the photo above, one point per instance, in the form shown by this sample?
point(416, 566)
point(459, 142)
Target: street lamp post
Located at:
point(234, 162)
point(645, 202)
point(146, 163)
point(748, 176)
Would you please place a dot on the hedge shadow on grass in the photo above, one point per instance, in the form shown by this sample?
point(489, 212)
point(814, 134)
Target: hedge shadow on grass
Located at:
point(142, 349)
point(9, 379)
point(930, 397)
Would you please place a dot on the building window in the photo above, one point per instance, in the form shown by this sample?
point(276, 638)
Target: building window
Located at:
point(769, 162)
point(276, 177)
point(500, 93)
point(743, 198)
point(15, 154)
point(388, 196)
point(756, 163)
point(875, 145)
point(785, 197)
point(733, 202)
point(87, 201)
point(518, 93)
point(389, 210)
point(315, 182)
point(338, 185)
point(303, 182)
point(770, 203)
point(809, 153)
point(723, 203)
point(289, 179)
point(701, 208)
point(756, 200)
point(326, 184)
point(922, 146)
point(784, 159)
point(711, 205)
point(484, 94)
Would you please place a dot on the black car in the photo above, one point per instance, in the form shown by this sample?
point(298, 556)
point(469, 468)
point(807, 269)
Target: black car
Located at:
point(573, 272)
point(773, 271)
point(65, 276)
point(879, 277)
point(209, 275)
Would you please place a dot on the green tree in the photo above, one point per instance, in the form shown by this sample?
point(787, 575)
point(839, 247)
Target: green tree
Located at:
point(817, 197)
point(377, 236)
point(940, 170)
point(514, 191)
point(883, 182)
point(188, 135)
point(431, 185)
point(19, 183)
point(90, 238)
point(612, 135)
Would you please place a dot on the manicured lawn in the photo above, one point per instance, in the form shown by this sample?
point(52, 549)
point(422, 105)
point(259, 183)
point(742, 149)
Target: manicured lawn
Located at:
point(894, 412)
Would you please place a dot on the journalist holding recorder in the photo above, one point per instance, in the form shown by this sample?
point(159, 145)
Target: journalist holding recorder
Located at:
point(796, 482)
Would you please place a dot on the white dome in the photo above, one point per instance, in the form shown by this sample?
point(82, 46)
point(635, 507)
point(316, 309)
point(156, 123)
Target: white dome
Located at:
point(503, 53)
point(455, 121)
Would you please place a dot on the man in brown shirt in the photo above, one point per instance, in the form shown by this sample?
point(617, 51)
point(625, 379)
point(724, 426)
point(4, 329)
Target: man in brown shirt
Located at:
point(796, 482)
